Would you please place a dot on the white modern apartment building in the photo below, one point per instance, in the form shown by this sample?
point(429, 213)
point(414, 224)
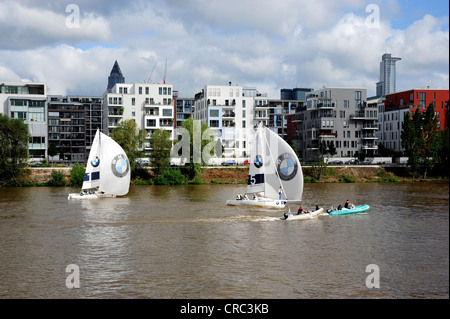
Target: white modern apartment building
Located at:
point(229, 112)
point(150, 105)
point(28, 102)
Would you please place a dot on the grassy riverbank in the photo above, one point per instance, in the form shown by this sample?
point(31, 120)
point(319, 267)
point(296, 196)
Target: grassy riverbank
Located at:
point(239, 175)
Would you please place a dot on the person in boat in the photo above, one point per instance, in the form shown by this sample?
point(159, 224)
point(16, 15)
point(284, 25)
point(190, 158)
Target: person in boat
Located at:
point(254, 197)
point(339, 207)
point(280, 192)
point(347, 204)
point(245, 196)
point(301, 210)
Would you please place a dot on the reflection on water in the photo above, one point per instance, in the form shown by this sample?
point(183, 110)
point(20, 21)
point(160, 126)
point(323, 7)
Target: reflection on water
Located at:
point(183, 242)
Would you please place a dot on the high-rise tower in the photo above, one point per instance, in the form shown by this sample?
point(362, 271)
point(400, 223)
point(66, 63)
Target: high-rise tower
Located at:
point(115, 76)
point(387, 75)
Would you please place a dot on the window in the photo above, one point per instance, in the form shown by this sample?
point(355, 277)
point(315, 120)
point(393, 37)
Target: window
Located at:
point(214, 113)
point(151, 123)
point(214, 123)
point(140, 90)
point(243, 124)
point(133, 101)
point(146, 90)
point(357, 98)
point(167, 112)
point(165, 91)
point(422, 99)
point(160, 91)
point(243, 113)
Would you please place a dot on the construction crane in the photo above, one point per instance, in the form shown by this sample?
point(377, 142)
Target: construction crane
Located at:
point(150, 76)
point(165, 71)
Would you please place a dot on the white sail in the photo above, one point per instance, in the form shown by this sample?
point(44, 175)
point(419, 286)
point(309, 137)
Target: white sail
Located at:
point(286, 168)
point(107, 169)
point(274, 164)
point(256, 180)
point(92, 173)
point(114, 169)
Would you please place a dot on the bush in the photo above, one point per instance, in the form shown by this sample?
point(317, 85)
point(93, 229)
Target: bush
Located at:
point(57, 179)
point(77, 175)
point(170, 177)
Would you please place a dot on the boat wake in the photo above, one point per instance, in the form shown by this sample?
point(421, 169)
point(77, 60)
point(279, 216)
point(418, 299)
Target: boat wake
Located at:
point(240, 218)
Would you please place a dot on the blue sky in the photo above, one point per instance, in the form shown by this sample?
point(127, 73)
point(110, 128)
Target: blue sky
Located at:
point(266, 44)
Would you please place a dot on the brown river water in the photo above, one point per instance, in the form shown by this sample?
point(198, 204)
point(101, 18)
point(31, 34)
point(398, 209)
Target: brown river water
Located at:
point(183, 242)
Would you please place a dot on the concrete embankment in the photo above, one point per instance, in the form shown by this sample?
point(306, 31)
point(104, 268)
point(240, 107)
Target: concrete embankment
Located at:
point(330, 174)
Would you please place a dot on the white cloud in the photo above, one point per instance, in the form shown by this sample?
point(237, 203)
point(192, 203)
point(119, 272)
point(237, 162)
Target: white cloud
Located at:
point(27, 27)
point(266, 44)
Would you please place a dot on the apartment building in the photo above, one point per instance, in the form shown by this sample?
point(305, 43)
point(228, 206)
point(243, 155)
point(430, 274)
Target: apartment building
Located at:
point(183, 109)
point(28, 102)
point(72, 124)
point(150, 105)
point(338, 116)
point(229, 111)
point(397, 106)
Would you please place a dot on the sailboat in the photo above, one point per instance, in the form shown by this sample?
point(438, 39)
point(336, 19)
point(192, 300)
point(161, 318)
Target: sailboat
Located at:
point(107, 170)
point(275, 174)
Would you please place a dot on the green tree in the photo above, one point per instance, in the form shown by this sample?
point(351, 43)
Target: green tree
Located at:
point(52, 150)
point(195, 146)
point(444, 152)
point(77, 175)
point(420, 139)
point(131, 139)
point(13, 147)
point(160, 156)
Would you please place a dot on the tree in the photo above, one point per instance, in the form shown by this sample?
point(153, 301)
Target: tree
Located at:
point(444, 152)
point(200, 143)
point(131, 139)
point(77, 175)
point(160, 157)
point(420, 139)
point(52, 150)
point(13, 147)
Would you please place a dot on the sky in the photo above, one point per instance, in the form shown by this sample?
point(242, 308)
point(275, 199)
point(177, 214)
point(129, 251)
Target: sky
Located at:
point(72, 45)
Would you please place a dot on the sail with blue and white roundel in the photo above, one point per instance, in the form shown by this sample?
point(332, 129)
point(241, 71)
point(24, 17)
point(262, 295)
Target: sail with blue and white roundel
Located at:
point(92, 173)
point(115, 168)
point(273, 164)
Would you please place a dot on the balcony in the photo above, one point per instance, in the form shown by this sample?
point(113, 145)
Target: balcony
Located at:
point(369, 137)
point(228, 114)
point(370, 127)
point(370, 146)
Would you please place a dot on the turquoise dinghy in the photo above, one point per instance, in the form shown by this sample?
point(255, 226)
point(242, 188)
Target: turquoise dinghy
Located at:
point(354, 210)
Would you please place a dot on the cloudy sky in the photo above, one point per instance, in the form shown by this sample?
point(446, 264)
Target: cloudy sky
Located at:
point(72, 45)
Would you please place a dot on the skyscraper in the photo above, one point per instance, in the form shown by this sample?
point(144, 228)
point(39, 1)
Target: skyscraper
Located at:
point(115, 77)
point(387, 75)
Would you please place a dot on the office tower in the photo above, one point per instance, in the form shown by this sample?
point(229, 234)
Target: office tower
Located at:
point(387, 75)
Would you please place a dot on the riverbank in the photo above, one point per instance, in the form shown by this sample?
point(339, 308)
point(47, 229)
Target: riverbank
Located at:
point(239, 175)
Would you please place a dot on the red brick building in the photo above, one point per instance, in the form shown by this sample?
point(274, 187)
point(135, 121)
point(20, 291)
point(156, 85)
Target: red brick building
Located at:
point(421, 98)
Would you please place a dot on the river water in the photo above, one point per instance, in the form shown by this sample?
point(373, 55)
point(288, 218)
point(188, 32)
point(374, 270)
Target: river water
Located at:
point(184, 242)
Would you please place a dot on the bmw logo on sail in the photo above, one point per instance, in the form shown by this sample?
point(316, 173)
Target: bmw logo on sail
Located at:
point(95, 161)
point(286, 166)
point(120, 165)
point(258, 161)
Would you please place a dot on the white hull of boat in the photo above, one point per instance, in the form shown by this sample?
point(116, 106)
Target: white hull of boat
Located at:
point(310, 215)
point(257, 202)
point(89, 196)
